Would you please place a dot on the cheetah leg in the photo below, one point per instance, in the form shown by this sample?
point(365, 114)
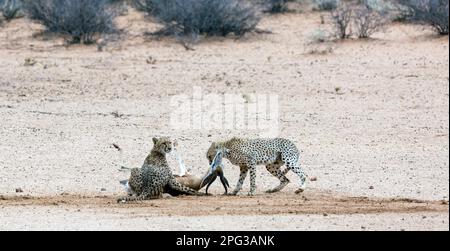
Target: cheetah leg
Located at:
point(301, 174)
point(242, 176)
point(274, 169)
point(138, 198)
point(177, 186)
point(252, 181)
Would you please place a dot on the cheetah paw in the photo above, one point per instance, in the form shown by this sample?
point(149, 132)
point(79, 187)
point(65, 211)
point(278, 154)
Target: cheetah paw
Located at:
point(121, 200)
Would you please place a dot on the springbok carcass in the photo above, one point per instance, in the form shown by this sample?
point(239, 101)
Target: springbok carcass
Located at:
point(185, 178)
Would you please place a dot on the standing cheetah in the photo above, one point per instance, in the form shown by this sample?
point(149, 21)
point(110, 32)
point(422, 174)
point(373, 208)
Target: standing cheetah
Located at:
point(248, 153)
point(155, 176)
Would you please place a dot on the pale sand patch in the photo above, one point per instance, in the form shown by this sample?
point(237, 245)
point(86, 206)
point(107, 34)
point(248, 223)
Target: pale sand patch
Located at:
point(386, 127)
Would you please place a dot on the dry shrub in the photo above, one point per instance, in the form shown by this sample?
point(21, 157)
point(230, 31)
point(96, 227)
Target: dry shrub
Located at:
point(342, 17)
point(357, 18)
point(190, 18)
point(429, 12)
point(325, 5)
point(81, 20)
point(10, 9)
point(367, 21)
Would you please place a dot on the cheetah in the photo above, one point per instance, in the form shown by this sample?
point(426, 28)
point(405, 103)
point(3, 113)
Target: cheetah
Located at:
point(248, 153)
point(155, 176)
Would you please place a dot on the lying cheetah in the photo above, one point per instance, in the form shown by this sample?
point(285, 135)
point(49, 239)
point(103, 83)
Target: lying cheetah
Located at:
point(248, 153)
point(155, 176)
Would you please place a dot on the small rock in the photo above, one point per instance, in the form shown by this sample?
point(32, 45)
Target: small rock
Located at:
point(103, 189)
point(247, 98)
point(371, 187)
point(325, 214)
point(29, 62)
point(313, 178)
point(117, 147)
point(299, 191)
point(19, 190)
point(117, 114)
point(151, 60)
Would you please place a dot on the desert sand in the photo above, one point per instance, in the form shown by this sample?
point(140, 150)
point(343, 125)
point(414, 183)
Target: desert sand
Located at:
point(369, 116)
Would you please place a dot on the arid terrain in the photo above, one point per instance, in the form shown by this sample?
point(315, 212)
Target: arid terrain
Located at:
point(371, 118)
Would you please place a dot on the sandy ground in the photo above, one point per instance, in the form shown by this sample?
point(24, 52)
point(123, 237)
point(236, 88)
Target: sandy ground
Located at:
point(312, 210)
point(370, 118)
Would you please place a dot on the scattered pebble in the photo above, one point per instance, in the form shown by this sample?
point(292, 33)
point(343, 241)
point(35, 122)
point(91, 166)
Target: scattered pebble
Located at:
point(19, 190)
point(371, 187)
point(247, 98)
point(117, 114)
point(117, 147)
point(103, 189)
point(151, 60)
point(29, 62)
point(313, 178)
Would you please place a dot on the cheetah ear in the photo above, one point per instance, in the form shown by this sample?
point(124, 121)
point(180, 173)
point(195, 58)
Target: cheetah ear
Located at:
point(155, 140)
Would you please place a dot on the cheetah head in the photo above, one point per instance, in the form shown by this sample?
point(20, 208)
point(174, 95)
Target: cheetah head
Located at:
point(215, 148)
point(163, 145)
